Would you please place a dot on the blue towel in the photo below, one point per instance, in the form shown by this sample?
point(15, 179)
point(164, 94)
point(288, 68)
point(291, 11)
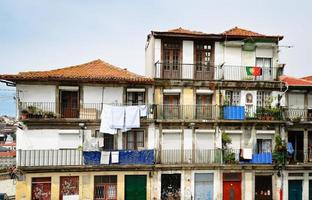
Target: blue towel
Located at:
point(290, 148)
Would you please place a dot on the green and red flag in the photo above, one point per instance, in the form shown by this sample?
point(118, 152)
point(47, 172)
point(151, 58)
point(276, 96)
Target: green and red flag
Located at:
point(253, 71)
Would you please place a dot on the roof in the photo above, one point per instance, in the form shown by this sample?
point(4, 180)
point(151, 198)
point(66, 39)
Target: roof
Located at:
point(94, 71)
point(308, 78)
point(235, 32)
point(292, 81)
point(240, 32)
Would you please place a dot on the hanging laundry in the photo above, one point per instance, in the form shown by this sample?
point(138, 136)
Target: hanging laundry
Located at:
point(143, 110)
point(115, 156)
point(106, 120)
point(247, 153)
point(132, 117)
point(105, 155)
point(118, 117)
point(253, 71)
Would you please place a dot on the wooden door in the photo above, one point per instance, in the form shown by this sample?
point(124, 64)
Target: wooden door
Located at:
point(171, 107)
point(69, 104)
point(171, 60)
point(263, 188)
point(203, 61)
point(135, 187)
point(295, 190)
point(232, 186)
point(69, 186)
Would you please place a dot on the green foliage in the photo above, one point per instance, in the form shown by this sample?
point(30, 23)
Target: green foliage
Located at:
point(279, 153)
point(226, 140)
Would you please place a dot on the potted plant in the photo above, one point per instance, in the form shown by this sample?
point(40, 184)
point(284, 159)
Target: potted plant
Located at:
point(24, 114)
point(31, 111)
point(49, 114)
point(228, 154)
point(296, 119)
point(279, 153)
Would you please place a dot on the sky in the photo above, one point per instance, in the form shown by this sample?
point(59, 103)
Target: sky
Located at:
point(49, 34)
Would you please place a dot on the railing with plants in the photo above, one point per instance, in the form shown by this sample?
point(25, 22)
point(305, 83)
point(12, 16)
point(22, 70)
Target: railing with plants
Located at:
point(50, 110)
point(298, 114)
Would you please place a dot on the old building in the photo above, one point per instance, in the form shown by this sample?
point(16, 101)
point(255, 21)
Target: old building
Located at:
point(208, 86)
point(59, 149)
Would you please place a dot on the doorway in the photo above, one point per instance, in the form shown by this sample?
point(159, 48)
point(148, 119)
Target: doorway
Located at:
point(170, 186)
point(296, 140)
point(69, 104)
point(232, 186)
point(135, 187)
point(294, 189)
point(263, 188)
point(203, 186)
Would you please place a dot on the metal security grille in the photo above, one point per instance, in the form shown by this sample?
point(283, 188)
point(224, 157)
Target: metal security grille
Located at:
point(105, 187)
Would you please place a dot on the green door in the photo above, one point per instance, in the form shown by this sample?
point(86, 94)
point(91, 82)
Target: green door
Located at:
point(295, 190)
point(135, 187)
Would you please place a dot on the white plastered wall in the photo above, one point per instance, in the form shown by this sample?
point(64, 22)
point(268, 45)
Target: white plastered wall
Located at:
point(150, 57)
point(92, 94)
point(113, 95)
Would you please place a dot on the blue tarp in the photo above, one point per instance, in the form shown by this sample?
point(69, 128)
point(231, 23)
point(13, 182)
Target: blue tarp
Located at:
point(143, 157)
point(234, 112)
point(260, 158)
point(91, 157)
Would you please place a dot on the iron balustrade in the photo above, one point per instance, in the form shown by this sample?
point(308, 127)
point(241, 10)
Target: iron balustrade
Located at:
point(179, 71)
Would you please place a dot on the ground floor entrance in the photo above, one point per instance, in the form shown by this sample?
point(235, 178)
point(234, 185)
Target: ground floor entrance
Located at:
point(170, 186)
point(135, 187)
point(294, 189)
point(232, 186)
point(263, 188)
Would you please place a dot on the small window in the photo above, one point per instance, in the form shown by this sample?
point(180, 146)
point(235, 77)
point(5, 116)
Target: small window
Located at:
point(232, 98)
point(135, 98)
point(264, 62)
point(134, 140)
point(41, 188)
point(108, 141)
point(264, 145)
point(263, 98)
point(105, 187)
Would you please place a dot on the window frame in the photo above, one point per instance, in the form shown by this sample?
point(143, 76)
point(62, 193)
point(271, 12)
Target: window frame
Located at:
point(135, 141)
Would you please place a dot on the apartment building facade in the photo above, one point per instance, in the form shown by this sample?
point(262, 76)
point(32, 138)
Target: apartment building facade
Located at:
point(210, 86)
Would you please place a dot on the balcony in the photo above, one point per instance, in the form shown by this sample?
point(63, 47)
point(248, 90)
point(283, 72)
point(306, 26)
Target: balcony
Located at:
point(210, 156)
point(51, 110)
point(74, 157)
point(298, 114)
point(182, 71)
point(216, 112)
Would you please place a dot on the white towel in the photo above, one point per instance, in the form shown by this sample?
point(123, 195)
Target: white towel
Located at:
point(132, 117)
point(143, 110)
point(247, 154)
point(105, 157)
point(115, 157)
point(118, 119)
point(106, 120)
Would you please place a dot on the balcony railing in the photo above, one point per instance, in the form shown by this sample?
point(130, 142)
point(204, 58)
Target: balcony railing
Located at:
point(50, 110)
point(179, 71)
point(75, 157)
point(215, 112)
point(298, 114)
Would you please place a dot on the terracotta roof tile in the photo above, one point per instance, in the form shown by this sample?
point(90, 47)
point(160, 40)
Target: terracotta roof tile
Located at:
point(308, 78)
point(185, 31)
point(94, 71)
point(292, 81)
point(239, 32)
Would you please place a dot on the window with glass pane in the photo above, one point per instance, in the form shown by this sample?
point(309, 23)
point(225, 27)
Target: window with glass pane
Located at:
point(263, 98)
point(203, 53)
point(108, 142)
point(134, 140)
point(232, 97)
point(135, 98)
point(264, 145)
point(105, 187)
point(263, 62)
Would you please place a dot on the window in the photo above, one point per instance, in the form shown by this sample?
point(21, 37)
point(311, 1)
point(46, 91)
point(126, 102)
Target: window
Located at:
point(171, 56)
point(134, 140)
point(41, 188)
point(135, 98)
point(264, 145)
point(203, 55)
point(232, 98)
point(105, 187)
point(264, 62)
point(263, 98)
point(108, 141)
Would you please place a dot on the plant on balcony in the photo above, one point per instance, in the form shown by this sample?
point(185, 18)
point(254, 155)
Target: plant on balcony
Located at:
point(24, 114)
point(296, 119)
point(279, 154)
point(49, 114)
point(228, 154)
point(276, 113)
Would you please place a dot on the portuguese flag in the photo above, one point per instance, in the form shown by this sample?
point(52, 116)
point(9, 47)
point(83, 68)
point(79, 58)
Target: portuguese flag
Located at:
point(253, 71)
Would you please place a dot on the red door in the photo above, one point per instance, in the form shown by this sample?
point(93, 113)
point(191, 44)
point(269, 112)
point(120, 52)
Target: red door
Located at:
point(232, 186)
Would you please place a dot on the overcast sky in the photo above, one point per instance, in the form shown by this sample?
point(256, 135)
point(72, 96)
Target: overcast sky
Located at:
point(42, 34)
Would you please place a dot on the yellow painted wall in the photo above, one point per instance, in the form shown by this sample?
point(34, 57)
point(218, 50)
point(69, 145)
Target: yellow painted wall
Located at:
point(86, 184)
point(188, 103)
point(158, 97)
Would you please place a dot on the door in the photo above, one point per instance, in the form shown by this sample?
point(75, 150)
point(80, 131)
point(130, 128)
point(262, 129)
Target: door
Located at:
point(170, 186)
point(105, 188)
point(171, 107)
point(203, 61)
point(203, 186)
point(203, 106)
point(296, 139)
point(171, 60)
point(69, 104)
point(263, 188)
point(69, 187)
point(294, 189)
point(135, 187)
point(310, 189)
point(231, 186)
